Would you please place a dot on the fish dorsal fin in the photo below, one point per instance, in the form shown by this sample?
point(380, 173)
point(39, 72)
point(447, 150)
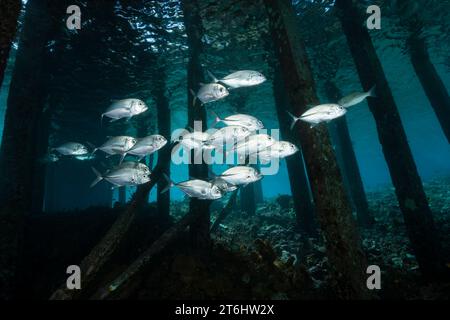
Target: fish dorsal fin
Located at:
point(201, 84)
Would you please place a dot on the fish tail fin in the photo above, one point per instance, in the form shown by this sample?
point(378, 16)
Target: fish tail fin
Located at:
point(372, 92)
point(294, 119)
point(98, 179)
point(214, 79)
point(169, 183)
point(216, 119)
point(194, 95)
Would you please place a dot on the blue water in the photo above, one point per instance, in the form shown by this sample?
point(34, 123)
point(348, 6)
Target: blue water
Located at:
point(430, 149)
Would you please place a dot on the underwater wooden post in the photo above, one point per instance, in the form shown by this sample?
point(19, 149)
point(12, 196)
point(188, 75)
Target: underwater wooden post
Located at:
point(298, 179)
point(408, 185)
point(426, 72)
point(349, 165)
point(248, 199)
point(122, 195)
point(97, 259)
point(346, 258)
point(9, 16)
point(164, 129)
point(199, 230)
point(225, 211)
point(19, 143)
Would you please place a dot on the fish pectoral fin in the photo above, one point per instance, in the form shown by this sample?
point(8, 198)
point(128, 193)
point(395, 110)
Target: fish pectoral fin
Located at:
point(113, 120)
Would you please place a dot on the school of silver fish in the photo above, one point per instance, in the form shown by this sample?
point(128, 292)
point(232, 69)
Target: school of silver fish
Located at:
point(240, 131)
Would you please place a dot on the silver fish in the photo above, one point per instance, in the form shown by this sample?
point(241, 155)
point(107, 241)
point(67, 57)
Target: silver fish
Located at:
point(320, 113)
point(117, 145)
point(134, 165)
point(194, 140)
point(125, 108)
point(253, 144)
point(242, 78)
point(242, 120)
point(72, 149)
point(122, 176)
point(228, 136)
point(240, 175)
point(223, 185)
point(280, 149)
point(210, 92)
point(196, 188)
point(49, 158)
point(148, 145)
point(357, 97)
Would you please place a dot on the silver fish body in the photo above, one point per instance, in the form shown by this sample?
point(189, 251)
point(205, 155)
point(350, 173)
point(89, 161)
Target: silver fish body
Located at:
point(228, 135)
point(223, 185)
point(123, 176)
point(117, 145)
point(240, 175)
point(147, 145)
point(320, 113)
point(134, 165)
point(253, 144)
point(242, 78)
point(211, 92)
point(279, 150)
point(49, 158)
point(194, 140)
point(356, 97)
point(72, 149)
point(200, 189)
point(125, 108)
point(242, 120)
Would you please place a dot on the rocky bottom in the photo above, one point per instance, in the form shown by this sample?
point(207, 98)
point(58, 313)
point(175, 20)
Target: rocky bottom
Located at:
point(262, 256)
